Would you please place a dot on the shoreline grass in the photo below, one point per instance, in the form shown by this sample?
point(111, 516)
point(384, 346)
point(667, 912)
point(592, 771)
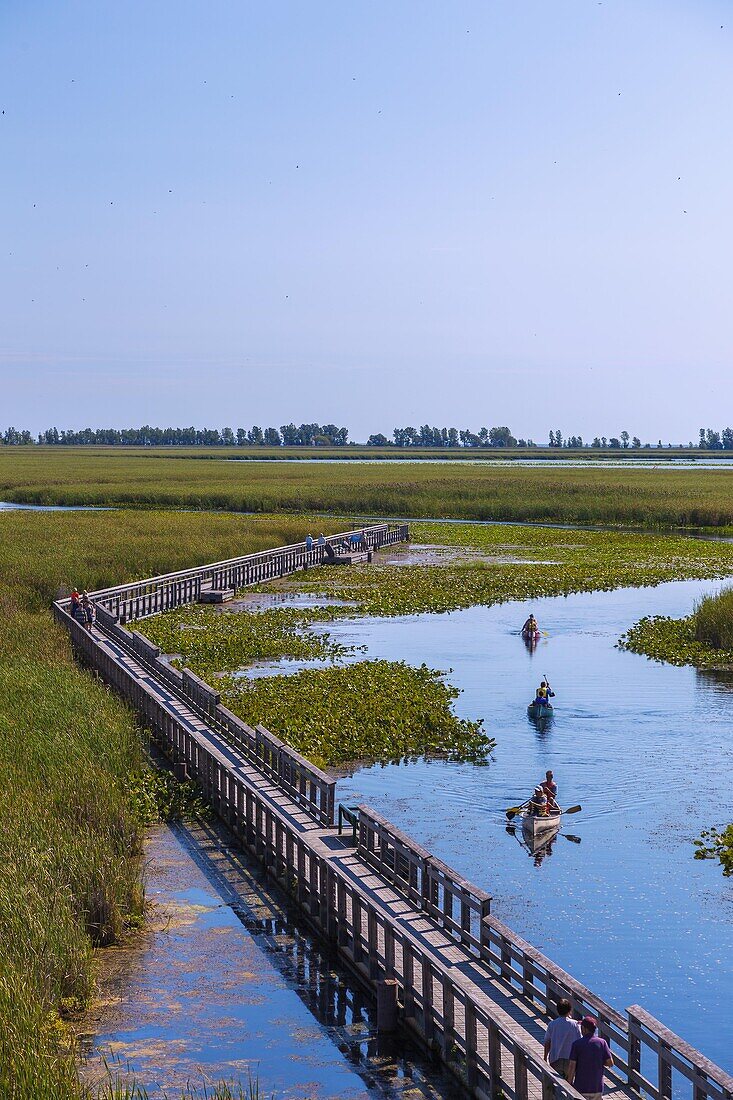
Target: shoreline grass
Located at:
point(70, 841)
point(703, 639)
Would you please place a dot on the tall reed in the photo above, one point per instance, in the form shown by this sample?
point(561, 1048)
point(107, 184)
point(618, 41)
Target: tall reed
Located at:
point(713, 620)
point(70, 836)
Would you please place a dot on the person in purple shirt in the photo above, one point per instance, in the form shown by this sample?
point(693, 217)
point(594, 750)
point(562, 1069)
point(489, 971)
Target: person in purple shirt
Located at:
point(589, 1056)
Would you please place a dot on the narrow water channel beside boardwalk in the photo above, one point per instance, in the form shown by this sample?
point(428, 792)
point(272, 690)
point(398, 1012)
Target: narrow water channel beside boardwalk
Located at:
point(647, 749)
point(224, 983)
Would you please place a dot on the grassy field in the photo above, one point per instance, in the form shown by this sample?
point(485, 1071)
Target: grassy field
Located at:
point(637, 497)
point(70, 841)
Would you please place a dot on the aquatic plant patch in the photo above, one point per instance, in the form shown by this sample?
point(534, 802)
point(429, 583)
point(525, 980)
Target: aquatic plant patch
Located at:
point(703, 639)
point(371, 710)
point(717, 844)
point(581, 561)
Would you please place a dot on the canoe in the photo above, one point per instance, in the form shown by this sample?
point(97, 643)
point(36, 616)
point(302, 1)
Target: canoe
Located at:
point(537, 710)
point(531, 636)
point(535, 825)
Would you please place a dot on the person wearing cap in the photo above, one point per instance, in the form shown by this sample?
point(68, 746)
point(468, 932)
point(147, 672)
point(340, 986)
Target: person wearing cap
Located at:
point(589, 1056)
point(559, 1038)
point(538, 803)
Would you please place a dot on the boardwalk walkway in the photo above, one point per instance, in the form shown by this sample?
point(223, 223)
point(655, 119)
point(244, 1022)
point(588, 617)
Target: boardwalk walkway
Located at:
point(414, 930)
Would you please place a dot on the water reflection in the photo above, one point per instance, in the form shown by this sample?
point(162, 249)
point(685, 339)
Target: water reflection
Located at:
point(227, 981)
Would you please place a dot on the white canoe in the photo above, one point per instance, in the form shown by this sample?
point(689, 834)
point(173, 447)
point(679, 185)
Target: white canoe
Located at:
point(536, 825)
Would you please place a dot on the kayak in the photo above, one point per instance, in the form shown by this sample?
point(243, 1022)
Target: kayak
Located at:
point(540, 710)
point(536, 825)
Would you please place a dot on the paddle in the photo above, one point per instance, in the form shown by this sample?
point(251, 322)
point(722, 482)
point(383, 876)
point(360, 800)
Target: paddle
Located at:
point(514, 810)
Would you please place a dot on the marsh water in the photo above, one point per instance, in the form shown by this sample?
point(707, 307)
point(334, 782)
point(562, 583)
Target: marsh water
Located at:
point(645, 748)
point(617, 899)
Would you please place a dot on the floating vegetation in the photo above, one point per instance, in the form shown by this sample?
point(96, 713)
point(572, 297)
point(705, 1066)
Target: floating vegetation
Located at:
point(582, 561)
point(717, 844)
point(212, 641)
point(371, 710)
point(155, 795)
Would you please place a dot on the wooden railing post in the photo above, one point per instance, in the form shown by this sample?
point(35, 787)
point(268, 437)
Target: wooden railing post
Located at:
point(520, 1074)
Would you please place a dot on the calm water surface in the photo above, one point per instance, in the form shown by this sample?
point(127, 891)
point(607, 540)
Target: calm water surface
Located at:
point(648, 751)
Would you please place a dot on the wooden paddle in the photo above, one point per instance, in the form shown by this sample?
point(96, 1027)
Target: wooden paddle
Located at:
point(572, 810)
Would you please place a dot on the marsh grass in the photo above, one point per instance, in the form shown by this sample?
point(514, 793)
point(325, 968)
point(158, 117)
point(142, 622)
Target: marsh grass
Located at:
point(72, 786)
point(155, 478)
point(712, 620)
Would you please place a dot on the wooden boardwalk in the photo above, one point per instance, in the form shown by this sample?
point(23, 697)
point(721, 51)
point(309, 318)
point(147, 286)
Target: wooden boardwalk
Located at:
point(414, 930)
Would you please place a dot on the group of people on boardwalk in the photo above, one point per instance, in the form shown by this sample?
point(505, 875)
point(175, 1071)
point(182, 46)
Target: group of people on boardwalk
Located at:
point(357, 540)
point(575, 1051)
point(82, 609)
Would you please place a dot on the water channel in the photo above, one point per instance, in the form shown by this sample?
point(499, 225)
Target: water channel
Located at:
point(617, 899)
point(647, 749)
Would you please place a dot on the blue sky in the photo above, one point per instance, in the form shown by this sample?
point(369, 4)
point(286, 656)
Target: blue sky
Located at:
point(509, 211)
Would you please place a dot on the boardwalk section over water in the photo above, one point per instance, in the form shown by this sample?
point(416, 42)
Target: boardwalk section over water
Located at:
point(421, 936)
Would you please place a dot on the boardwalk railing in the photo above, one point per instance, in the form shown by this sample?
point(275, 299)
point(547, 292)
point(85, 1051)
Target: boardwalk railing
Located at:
point(670, 1057)
point(302, 781)
point(456, 904)
point(449, 1005)
point(156, 594)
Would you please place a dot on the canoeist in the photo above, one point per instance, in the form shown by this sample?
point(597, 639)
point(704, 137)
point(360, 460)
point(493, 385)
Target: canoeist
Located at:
point(550, 788)
point(530, 628)
point(538, 803)
point(544, 694)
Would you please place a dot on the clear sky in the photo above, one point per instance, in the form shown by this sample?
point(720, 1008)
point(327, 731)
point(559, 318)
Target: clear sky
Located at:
point(373, 213)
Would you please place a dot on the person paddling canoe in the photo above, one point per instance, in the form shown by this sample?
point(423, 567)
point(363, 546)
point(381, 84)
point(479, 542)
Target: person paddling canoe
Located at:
point(544, 694)
point(530, 628)
point(549, 786)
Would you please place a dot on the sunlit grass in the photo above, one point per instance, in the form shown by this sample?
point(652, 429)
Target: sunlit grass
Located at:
point(640, 497)
point(72, 786)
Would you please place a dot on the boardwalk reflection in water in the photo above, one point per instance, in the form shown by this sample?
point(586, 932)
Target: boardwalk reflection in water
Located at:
point(226, 981)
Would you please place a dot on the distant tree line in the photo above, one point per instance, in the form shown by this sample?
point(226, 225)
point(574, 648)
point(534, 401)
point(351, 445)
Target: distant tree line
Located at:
point(289, 435)
point(329, 435)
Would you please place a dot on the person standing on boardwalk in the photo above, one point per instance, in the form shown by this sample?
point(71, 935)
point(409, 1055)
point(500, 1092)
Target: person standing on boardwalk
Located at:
point(589, 1056)
point(87, 612)
point(309, 542)
point(561, 1034)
